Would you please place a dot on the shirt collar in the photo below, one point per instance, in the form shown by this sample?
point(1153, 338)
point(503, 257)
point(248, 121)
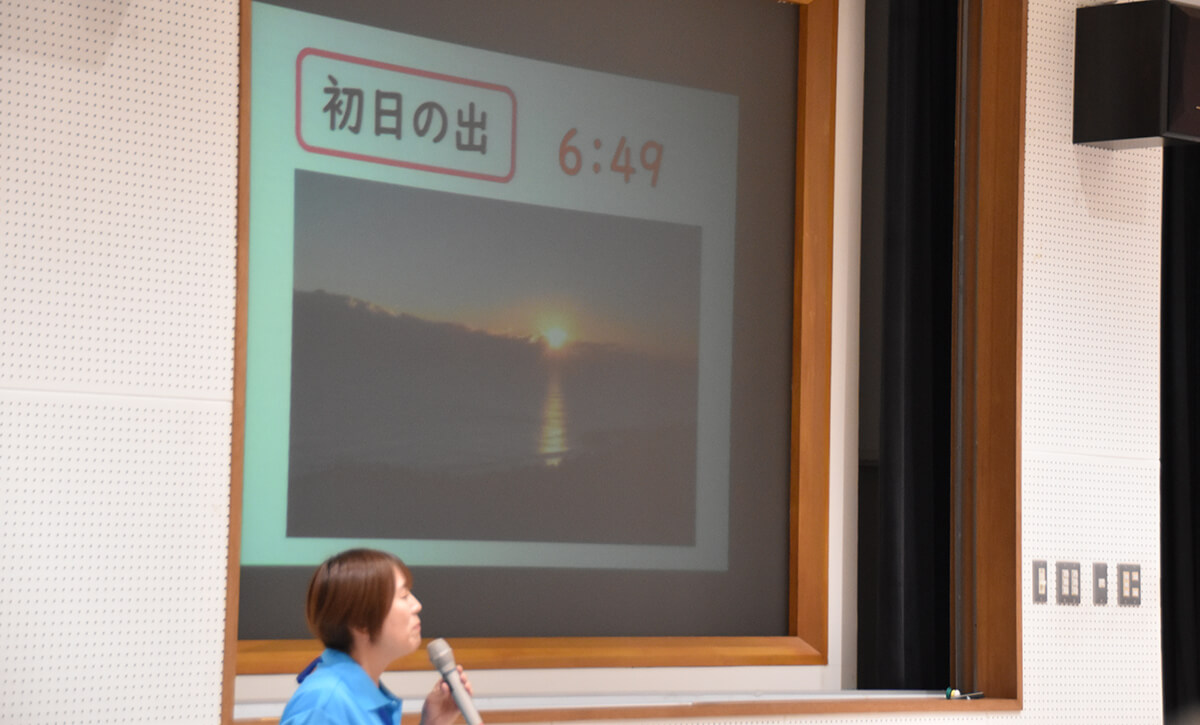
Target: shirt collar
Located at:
point(358, 681)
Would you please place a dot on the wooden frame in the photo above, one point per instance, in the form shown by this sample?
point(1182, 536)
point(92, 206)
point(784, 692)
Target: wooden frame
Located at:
point(995, 141)
point(987, 632)
point(806, 643)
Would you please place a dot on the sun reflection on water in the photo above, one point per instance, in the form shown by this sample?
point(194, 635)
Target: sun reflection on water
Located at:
point(553, 445)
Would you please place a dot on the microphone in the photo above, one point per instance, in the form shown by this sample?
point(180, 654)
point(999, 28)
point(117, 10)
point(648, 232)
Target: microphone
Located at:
point(442, 658)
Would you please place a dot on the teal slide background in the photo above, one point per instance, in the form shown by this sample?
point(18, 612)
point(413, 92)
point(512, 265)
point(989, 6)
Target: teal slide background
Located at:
point(699, 132)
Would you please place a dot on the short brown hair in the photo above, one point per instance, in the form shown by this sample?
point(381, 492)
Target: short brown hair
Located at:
point(352, 590)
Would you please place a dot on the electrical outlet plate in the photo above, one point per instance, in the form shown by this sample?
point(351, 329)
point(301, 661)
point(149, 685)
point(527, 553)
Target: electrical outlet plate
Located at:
point(1100, 583)
point(1040, 583)
point(1129, 585)
point(1066, 582)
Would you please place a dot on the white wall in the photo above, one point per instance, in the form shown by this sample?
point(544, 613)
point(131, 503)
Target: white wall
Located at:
point(118, 175)
point(118, 139)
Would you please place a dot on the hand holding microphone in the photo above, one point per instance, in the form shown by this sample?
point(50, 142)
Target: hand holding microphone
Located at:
point(442, 658)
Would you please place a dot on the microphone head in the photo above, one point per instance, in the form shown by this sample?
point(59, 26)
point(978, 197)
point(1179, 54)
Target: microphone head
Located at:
point(441, 655)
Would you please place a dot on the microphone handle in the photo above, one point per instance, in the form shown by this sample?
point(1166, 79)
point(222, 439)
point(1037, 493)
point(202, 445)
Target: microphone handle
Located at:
point(461, 698)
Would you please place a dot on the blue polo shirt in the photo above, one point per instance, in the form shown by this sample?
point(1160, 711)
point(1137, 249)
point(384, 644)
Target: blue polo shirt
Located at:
point(339, 692)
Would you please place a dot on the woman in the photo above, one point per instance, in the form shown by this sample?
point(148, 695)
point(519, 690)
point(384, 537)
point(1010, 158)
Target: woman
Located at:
point(361, 607)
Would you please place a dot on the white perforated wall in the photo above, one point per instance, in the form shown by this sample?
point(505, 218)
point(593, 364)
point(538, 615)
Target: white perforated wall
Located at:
point(1090, 486)
point(118, 176)
point(118, 173)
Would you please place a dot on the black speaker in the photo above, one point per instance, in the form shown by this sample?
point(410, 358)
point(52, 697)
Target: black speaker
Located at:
point(1137, 74)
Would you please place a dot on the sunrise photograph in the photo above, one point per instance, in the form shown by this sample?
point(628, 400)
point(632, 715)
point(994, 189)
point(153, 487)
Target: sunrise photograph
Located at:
point(540, 361)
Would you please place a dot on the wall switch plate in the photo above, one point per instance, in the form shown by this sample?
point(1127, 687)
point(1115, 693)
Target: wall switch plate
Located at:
point(1040, 584)
point(1099, 583)
point(1066, 582)
point(1129, 585)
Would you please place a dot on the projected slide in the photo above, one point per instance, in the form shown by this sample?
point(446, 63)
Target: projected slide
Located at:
point(490, 307)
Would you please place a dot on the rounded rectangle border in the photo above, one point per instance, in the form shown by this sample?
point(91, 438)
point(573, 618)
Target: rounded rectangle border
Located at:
point(428, 75)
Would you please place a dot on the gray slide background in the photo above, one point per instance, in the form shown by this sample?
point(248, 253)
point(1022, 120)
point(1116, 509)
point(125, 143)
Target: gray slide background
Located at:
point(746, 49)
